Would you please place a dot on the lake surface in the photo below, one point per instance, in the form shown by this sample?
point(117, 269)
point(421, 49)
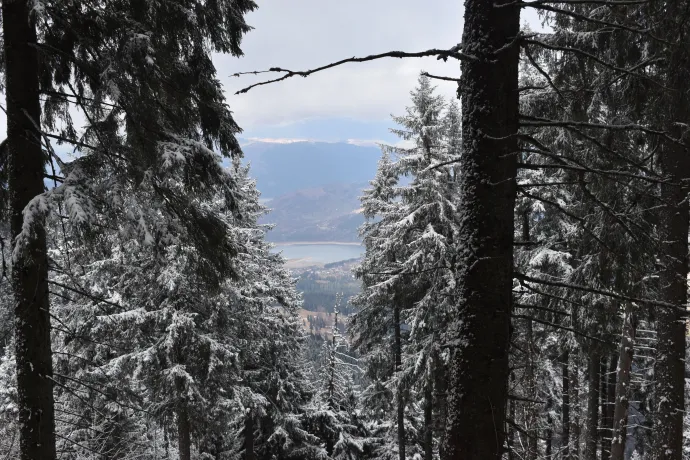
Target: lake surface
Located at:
point(320, 253)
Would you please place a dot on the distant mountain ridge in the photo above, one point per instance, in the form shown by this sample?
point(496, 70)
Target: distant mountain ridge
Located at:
point(328, 213)
point(281, 167)
point(312, 188)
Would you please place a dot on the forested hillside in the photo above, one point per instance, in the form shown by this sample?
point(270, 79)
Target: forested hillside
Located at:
point(328, 213)
point(523, 293)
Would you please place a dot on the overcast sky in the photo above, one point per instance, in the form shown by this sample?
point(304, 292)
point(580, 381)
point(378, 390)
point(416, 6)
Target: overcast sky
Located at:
point(351, 101)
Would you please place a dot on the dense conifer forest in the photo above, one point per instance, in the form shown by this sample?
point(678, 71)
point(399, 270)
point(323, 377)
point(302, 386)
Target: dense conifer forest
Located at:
point(523, 294)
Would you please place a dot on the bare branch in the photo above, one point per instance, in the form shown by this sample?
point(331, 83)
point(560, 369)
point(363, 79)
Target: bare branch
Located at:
point(441, 54)
point(438, 77)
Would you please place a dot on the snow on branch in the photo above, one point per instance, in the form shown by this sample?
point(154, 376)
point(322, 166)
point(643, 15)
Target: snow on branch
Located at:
point(568, 49)
point(453, 52)
point(545, 7)
point(615, 295)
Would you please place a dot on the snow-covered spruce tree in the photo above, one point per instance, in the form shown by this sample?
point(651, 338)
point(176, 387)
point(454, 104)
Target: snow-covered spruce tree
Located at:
point(160, 342)
point(234, 347)
point(407, 270)
point(273, 393)
point(375, 328)
point(200, 358)
point(142, 75)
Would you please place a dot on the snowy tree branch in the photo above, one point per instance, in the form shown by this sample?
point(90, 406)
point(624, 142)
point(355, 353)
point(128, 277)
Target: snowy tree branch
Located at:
point(614, 295)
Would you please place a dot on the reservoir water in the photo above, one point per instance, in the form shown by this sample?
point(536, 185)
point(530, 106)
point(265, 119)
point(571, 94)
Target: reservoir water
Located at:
point(319, 253)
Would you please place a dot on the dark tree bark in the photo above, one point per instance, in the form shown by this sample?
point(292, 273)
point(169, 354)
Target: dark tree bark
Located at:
point(674, 163)
point(30, 269)
point(565, 422)
point(609, 407)
point(603, 399)
point(184, 442)
point(592, 406)
point(575, 409)
point(480, 331)
point(400, 399)
point(620, 411)
point(669, 369)
point(532, 414)
point(249, 437)
point(511, 429)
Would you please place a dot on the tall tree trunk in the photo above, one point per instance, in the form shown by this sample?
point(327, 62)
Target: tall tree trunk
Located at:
point(428, 418)
point(620, 411)
point(249, 437)
point(480, 331)
point(603, 399)
point(511, 428)
point(576, 412)
point(400, 399)
point(607, 421)
point(592, 406)
point(548, 452)
point(565, 422)
point(184, 442)
point(30, 267)
point(532, 414)
point(669, 368)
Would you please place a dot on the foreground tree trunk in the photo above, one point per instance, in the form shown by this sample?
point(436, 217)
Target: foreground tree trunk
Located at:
point(592, 406)
point(249, 437)
point(511, 429)
point(184, 442)
point(620, 410)
point(480, 331)
point(30, 268)
point(669, 368)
